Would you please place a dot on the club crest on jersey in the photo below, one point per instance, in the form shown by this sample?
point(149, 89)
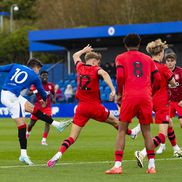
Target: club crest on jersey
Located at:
point(176, 76)
point(50, 87)
point(167, 117)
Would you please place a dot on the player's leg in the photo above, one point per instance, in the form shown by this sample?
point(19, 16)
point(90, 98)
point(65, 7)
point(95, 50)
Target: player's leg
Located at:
point(149, 147)
point(157, 140)
point(132, 132)
point(44, 117)
point(15, 106)
point(172, 139)
point(79, 121)
point(180, 121)
point(21, 125)
point(120, 144)
point(30, 126)
point(45, 134)
point(75, 131)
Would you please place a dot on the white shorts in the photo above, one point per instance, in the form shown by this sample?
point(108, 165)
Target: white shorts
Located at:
point(15, 105)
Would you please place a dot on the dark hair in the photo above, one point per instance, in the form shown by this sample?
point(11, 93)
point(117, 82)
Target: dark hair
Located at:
point(33, 62)
point(132, 40)
point(43, 71)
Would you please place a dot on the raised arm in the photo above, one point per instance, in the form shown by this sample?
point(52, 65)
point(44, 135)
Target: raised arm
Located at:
point(77, 55)
point(108, 81)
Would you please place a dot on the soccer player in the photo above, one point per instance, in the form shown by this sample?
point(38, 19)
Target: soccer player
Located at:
point(160, 97)
point(175, 103)
point(49, 88)
point(88, 95)
point(18, 78)
point(135, 74)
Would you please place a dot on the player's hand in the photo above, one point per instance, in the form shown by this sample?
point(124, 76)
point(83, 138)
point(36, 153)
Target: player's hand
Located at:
point(118, 99)
point(112, 95)
point(48, 92)
point(88, 48)
point(180, 103)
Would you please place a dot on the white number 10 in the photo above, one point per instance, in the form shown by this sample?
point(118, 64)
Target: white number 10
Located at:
point(17, 74)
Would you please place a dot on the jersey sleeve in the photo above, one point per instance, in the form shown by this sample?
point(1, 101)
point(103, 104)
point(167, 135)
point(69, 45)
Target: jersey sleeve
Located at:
point(6, 68)
point(154, 71)
point(40, 88)
point(52, 89)
point(167, 73)
point(119, 75)
point(78, 65)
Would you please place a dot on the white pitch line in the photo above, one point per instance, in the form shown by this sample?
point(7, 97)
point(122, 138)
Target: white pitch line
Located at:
point(81, 163)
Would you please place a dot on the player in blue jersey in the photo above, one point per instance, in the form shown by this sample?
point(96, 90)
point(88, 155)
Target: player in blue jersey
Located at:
point(20, 77)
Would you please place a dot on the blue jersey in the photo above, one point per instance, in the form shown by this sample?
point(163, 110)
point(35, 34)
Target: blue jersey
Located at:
point(20, 77)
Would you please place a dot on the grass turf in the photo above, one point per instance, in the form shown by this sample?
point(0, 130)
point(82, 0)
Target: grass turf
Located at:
point(86, 160)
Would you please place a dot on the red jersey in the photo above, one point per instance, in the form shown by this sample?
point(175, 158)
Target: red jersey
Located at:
point(134, 74)
point(166, 76)
point(87, 83)
point(49, 87)
point(176, 93)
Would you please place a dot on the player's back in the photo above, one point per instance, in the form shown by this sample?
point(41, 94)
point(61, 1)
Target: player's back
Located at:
point(87, 83)
point(166, 75)
point(19, 77)
point(137, 68)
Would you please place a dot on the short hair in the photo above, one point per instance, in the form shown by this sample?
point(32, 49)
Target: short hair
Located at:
point(169, 53)
point(43, 71)
point(155, 47)
point(132, 40)
point(33, 62)
point(93, 55)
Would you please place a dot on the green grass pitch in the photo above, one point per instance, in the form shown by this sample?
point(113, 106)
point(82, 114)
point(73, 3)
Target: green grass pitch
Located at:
point(86, 160)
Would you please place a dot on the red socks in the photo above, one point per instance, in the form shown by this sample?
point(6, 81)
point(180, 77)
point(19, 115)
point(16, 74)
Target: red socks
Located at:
point(66, 144)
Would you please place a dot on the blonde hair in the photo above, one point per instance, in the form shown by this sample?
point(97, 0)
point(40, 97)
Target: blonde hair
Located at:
point(92, 55)
point(155, 47)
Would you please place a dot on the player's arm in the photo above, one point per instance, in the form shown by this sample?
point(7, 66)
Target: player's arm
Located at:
point(6, 68)
point(120, 79)
point(108, 81)
point(40, 88)
point(32, 90)
point(77, 55)
point(156, 79)
point(53, 94)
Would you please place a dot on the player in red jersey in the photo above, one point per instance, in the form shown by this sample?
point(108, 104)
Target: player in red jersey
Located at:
point(88, 95)
point(135, 73)
point(160, 97)
point(49, 88)
point(175, 103)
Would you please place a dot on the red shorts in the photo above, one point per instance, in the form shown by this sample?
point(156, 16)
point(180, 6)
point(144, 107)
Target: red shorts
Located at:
point(161, 109)
point(86, 111)
point(175, 107)
point(140, 107)
point(46, 110)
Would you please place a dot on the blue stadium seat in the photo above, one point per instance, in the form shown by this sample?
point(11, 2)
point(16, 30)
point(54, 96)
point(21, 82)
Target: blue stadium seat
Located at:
point(101, 89)
point(107, 90)
point(66, 82)
point(73, 83)
point(103, 97)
